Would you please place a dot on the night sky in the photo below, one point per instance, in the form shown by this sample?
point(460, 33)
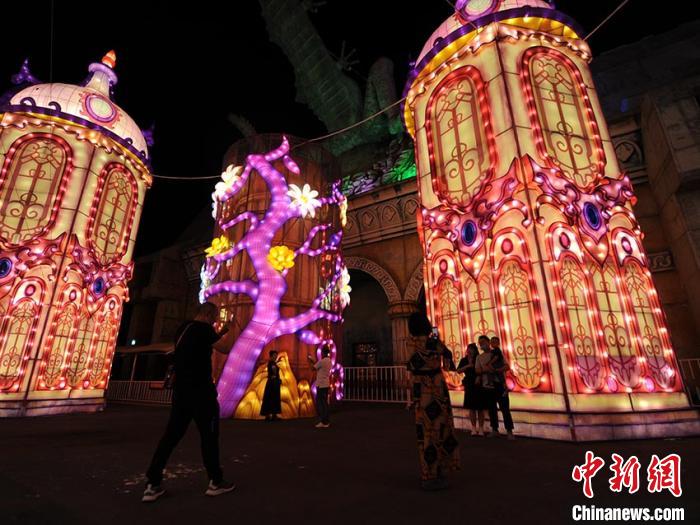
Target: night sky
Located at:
point(184, 66)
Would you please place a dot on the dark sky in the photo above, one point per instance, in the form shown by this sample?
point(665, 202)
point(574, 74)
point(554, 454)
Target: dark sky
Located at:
point(186, 65)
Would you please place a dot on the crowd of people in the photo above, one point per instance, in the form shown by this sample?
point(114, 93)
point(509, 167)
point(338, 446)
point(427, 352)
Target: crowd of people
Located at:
point(485, 391)
point(195, 397)
point(485, 388)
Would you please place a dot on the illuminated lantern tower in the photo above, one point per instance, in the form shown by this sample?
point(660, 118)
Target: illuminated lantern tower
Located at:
point(528, 229)
point(74, 176)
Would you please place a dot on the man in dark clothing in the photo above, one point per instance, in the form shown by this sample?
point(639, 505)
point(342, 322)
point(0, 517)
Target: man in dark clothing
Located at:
point(500, 367)
point(194, 398)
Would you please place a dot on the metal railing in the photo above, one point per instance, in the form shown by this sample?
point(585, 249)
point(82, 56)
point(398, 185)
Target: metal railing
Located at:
point(140, 392)
point(387, 384)
point(690, 369)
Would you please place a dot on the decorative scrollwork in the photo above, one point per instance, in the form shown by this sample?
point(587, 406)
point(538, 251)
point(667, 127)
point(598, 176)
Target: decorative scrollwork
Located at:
point(36, 169)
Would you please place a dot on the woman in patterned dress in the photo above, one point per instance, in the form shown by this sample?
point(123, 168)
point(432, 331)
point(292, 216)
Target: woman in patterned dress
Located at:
point(438, 449)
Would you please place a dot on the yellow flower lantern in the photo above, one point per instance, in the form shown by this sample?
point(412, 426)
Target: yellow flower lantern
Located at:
point(218, 246)
point(281, 258)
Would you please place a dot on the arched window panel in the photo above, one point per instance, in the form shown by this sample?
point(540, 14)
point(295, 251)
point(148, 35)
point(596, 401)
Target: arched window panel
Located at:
point(447, 299)
point(653, 337)
point(33, 181)
point(61, 339)
point(450, 324)
point(448, 318)
point(520, 315)
point(627, 245)
point(442, 264)
point(578, 312)
point(78, 363)
point(481, 306)
point(460, 137)
point(520, 326)
point(18, 330)
point(446, 303)
point(562, 117)
point(617, 339)
point(112, 214)
point(104, 339)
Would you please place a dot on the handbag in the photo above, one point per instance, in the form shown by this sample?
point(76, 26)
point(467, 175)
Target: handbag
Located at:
point(169, 381)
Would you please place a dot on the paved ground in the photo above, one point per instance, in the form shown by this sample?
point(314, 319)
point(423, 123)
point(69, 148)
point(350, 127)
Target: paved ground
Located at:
point(85, 469)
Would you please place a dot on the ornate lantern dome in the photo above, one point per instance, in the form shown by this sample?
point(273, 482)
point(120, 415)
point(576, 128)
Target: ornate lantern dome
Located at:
point(89, 104)
point(478, 22)
point(474, 14)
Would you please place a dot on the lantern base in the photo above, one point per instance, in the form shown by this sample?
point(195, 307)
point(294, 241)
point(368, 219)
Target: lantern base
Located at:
point(296, 398)
point(49, 407)
point(533, 416)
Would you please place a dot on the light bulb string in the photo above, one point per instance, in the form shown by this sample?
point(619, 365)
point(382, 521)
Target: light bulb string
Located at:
point(605, 20)
point(309, 141)
point(378, 113)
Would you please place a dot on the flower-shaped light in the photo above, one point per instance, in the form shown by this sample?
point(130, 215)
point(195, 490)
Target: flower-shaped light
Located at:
point(281, 258)
point(304, 199)
point(343, 205)
point(229, 177)
point(231, 174)
point(214, 205)
point(344, 288)
point(218, 245)
point(205, 283)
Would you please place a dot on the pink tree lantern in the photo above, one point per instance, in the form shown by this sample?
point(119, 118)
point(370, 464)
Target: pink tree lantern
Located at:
point(259, 235)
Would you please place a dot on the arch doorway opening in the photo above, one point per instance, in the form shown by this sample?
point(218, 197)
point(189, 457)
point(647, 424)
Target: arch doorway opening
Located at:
point(367, 327)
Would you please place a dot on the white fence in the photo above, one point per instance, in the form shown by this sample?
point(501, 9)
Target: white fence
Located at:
point(140, 392)
point(690, 369)
point(388, 384)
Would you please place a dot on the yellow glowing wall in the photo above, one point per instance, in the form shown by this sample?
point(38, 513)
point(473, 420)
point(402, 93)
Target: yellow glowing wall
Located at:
point(71, 202)
point(527, 222)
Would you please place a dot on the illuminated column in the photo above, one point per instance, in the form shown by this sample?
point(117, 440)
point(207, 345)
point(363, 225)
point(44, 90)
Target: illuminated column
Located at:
point(528, 229)
point(399, 312)
point(73, 181)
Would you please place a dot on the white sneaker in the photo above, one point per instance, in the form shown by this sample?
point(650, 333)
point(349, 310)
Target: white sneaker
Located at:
point(217, 489)
point(323, 425)
point(152, 493)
